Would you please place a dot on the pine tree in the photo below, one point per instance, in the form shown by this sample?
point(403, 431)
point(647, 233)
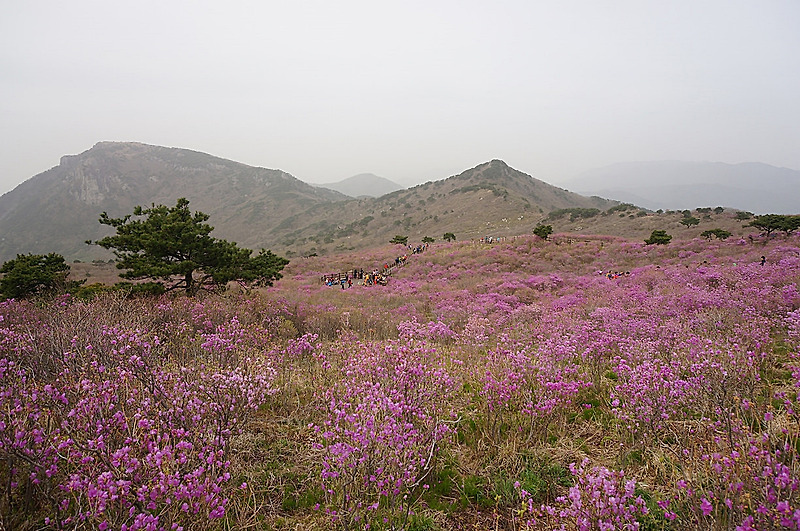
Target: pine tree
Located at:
point(32, 274)
point(174, 247)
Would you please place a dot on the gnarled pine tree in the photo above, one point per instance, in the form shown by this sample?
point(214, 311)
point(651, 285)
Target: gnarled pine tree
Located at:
point(174, 247)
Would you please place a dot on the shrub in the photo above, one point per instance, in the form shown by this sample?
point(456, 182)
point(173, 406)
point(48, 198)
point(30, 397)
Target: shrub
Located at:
point(689, 221)
point(599, 499)
point(31, 274)
point(573, 213)
point(543, 231)
point(658, 237)
point(720, 234)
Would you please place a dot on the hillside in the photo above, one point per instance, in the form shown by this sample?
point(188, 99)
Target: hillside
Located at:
point(490, 199)
point(620, 221)
point(57, 211)
point(488, 385)
point(637, 224)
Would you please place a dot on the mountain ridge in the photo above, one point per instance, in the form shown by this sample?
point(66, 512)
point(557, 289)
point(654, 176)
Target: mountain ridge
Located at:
point(116, 176)
point(58, 210)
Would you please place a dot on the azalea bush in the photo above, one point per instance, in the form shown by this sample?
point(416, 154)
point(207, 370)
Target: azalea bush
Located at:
point(599, 499)
point(116, 435)
point(385, 421)
point(510, 385)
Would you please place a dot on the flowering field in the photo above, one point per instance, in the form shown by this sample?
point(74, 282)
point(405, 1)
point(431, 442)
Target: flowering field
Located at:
point(513, 386)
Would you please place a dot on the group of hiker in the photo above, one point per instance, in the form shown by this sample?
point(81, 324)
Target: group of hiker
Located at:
point(370, 278)
point(611, 275)
point(492, 239)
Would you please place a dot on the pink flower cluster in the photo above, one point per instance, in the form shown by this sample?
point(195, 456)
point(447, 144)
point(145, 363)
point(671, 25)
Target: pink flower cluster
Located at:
point(384, 422)
point(117, 436)
point(601, 499)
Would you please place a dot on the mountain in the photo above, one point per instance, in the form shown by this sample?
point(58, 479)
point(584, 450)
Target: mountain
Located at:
point(58, 210)
point(364, 185)
point(489, 199)
point(671, 185)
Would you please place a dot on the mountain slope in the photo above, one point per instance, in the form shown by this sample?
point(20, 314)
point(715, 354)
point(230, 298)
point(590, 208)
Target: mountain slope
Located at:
point(56, 211)
point(364, 185)
point(751, 186)
point(490, 199)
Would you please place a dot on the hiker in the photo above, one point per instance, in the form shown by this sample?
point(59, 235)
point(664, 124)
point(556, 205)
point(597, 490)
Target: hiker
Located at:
point(763, 260)
point(379, 275)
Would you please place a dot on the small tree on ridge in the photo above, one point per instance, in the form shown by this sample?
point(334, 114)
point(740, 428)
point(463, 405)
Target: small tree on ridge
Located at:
point(688, 222)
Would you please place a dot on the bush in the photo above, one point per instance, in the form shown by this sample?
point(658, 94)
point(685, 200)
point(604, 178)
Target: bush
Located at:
point(720, 234)
point(574, 213)
point(620, 208)
point(32, 274)
point(658, 237)
point(543, 231)
point(689, 221)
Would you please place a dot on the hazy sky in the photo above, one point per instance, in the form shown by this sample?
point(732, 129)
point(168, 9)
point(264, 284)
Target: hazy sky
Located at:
point(411, 91)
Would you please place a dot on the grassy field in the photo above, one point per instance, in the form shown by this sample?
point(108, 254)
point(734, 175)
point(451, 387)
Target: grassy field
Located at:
point(578, 383)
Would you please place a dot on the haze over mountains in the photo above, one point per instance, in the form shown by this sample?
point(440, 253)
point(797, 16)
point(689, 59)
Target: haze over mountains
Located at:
point(364, 185)
point(58, 210)
point(752, 186)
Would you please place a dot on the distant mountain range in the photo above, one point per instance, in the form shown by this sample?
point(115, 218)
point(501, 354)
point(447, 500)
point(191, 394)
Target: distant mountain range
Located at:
point(752, 186)
point(58, 210)
point(364, 185)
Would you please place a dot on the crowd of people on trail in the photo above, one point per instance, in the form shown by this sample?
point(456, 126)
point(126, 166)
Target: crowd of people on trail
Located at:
point(418, 249)
point(378, 276)
point(343, 279)
point(611, 275)
point(375, 277)
point(492, 239)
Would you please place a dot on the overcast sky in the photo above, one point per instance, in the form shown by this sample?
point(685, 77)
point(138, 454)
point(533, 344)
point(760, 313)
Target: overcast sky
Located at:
point(411, 91)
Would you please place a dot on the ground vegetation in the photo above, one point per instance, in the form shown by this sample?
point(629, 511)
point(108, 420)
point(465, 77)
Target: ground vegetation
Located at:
point(515, 385)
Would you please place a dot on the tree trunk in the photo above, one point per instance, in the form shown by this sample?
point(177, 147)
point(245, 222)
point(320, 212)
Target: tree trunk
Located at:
point(190, 287)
